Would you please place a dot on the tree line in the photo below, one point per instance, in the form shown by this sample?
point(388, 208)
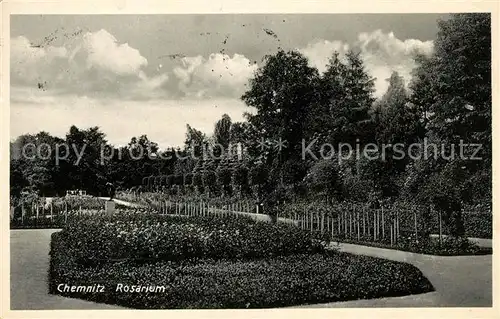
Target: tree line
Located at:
point(447, 101)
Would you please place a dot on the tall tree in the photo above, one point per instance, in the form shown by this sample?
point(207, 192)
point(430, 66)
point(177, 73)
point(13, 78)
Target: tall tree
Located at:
point(195, 142)
point(84, 165)
point(346, 98)
point(222, 131)
point(457, 83)
point(283, 93)
point(400, 121)
point(462, 65)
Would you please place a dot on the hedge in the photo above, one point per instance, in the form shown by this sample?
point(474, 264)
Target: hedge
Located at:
point(449, 246)
point(143, 236)
point(477, 224)
point(261, 283)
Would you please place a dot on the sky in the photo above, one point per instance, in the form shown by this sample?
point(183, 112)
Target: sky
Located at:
point(153, 74)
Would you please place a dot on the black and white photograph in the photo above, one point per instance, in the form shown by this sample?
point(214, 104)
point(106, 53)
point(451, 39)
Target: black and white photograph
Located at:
point(250, 161)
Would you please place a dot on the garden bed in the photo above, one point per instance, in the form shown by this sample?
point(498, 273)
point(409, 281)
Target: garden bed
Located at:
point(166, 262)
point(449, 246)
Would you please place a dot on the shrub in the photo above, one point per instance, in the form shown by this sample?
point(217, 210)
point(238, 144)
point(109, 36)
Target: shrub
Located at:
point(198, 181)
point(476, 224)
point(223, 177)
point(150, 237)
point(209, 180)
point(239, 178)
point(450, 246)
point(270, 282)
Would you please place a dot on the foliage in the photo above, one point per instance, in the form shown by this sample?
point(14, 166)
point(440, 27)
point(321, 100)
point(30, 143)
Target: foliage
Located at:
point(346, 97)
point(448, 101)
point(223, 176)
point(151, 237)
point(258, 283)
point(453, 88)
point(240, 179)
point(222, 132)
point(324, 180)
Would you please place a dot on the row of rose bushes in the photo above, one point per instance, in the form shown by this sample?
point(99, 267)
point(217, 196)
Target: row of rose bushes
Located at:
point(271, 281)
point(143, 236)
point(152, 199)
point(38, 213)
point(476, 223)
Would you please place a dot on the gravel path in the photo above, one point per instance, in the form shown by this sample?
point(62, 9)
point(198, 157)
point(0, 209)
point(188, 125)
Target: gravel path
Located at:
point(29, 264)
point(464, 281)
point(461, 281)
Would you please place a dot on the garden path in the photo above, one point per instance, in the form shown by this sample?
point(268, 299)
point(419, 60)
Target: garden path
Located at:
point(459, 281)
point(463, 281)
point(29, 264)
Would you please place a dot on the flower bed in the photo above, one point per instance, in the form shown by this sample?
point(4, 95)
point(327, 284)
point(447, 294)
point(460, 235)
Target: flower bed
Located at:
point(275, 281)
point(450, 246)
point(144, 236)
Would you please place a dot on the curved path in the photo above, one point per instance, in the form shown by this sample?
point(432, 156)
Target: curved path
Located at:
point(124, 203)
point(29, 265)
point(459, 281)
point(464, 281)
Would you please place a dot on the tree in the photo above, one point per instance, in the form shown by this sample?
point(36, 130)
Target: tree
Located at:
point(346, 98)
point(323, 180)
point(33, 165)
point(398, 122)
point(422, 89)
point(283, 92)
point(195, 142)
point(222, 132)
point(462, 67)
point(456, 82)
point(223, 175)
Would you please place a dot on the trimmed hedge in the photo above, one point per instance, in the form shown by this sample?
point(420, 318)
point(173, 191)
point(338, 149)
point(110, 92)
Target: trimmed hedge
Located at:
point(262, 283)
point(477, 224)
point(450, 246)
point(152, 237)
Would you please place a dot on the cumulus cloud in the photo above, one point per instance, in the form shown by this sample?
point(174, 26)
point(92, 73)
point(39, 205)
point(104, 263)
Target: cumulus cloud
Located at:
point(104, 52)
point(95, 64)
point(382, 53)
point(29, 63)
point(217, 75)
point(320, 52)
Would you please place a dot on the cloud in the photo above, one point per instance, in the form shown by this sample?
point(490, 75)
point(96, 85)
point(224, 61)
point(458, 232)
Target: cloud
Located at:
point(30, 64)
point(163, 120)
point(382, 53)
point(103, 52)
point(385, 47)
point(217, 75)
point(320, 52)
point(95, 64)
